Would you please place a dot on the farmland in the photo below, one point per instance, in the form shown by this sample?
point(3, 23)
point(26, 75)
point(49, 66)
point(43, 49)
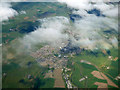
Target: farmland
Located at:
point(47, 45)
point(99, 63)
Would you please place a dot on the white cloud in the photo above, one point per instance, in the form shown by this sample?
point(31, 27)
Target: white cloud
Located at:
point(51, 32)
point(83, 5)
point(6, 11)
point(88, 29)
point(90, 26)
point(112, 12)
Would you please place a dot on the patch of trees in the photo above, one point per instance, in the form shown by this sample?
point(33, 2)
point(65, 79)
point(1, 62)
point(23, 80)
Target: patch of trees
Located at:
point(35, 83)
point(28, 26)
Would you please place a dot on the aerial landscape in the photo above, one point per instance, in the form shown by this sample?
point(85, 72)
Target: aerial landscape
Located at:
point(61, 44)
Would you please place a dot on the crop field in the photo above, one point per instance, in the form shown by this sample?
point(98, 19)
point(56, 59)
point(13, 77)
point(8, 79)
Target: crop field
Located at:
point(56, 45)
point(96, 63)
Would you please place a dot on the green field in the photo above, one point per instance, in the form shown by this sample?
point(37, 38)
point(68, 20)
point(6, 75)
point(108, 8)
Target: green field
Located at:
point(23, 26)
point(17, 67)
point(18, 64)
point(79, 70)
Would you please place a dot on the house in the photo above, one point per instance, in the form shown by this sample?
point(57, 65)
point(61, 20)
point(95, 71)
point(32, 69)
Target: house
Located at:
point(0, 44)
point(29, 76)
point(83, 78)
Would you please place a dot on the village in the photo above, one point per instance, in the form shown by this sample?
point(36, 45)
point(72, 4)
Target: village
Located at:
point(84, 54)
point(56, 59)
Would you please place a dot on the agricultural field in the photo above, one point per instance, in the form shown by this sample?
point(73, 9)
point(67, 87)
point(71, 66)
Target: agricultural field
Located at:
point(18, 66)
point(90, 65)
point(59, 45)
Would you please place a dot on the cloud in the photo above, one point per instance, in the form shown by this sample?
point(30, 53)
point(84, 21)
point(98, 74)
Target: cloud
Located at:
point(112, 12)
point(13, 1)
point(85, 32)
point(50, 32)
point(85, 5)
point(90, 26)
point(6, 11)
point(88, 32)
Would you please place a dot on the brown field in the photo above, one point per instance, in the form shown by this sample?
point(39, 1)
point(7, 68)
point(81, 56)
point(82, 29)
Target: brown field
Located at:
point(48, 75)
point(97, 74)
point(116, 58)
point(43, 64)
point(101, 85)
point(58, 78)
point(109, 81)
point(25, 18)
point(104, 51)
point(100, 75)
point(10, 56)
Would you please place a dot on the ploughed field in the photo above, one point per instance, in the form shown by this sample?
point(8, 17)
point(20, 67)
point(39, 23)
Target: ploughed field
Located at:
point(45, 66)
